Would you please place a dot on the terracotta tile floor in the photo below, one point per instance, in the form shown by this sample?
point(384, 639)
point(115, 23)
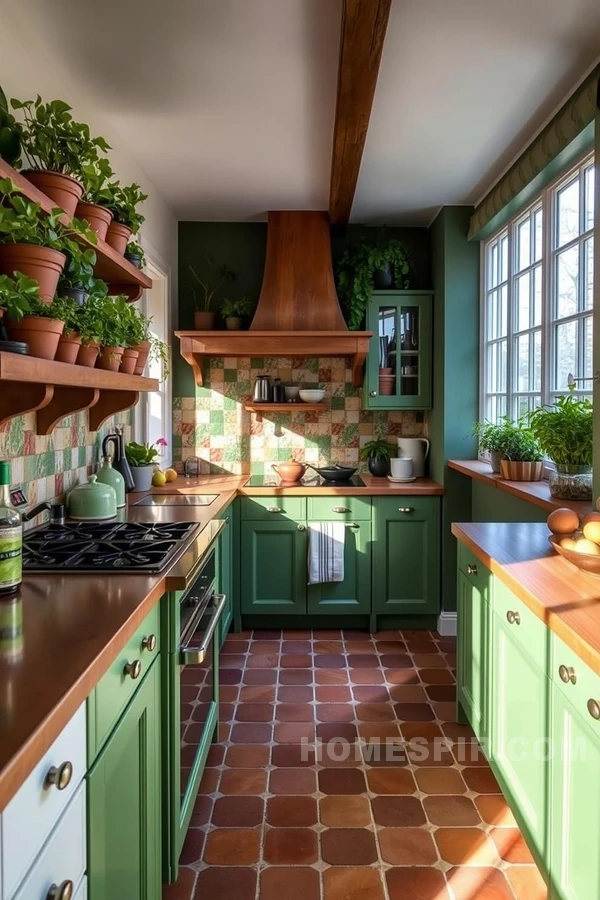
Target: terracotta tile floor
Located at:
point(370, 818)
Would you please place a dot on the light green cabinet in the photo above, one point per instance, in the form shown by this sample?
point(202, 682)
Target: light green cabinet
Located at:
point(273, 560)
point(473, 646)
point(399, 364)
point(124, 820)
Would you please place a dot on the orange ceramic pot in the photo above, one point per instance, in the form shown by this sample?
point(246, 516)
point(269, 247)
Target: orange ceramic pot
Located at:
point(87, 355)
point(290, 470)
point(41, 334)
point(110, 358)
point(128, 361)
point(68, 347)
point(117, 236)
point(143, 350)
point(97, 217)
point(40, 263)
point(63, 190)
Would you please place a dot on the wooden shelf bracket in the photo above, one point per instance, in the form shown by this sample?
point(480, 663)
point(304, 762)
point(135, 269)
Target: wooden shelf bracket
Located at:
point(109, 403)
point(20, 397)
point(65, 402)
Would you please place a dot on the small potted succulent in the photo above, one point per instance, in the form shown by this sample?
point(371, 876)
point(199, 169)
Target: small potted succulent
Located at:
point(522, 457)
point(56, 148)
point(143, 459)
point(378, 454)
point(92, 207)
point(234, 310)
point(135, 254)
point(492, 438)
point(211, 281)
point(123, 203)
point(29, 319)
point(565, 433)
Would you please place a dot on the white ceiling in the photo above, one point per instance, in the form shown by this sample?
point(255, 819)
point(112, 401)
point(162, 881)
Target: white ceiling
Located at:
point(228, 105)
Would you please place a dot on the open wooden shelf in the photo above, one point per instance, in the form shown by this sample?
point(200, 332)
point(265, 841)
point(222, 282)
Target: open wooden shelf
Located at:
point(262, 409)
point(121, 276)
point(54, 390)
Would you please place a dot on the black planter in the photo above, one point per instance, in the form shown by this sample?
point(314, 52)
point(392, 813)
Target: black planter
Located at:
point(383, 279)
point(134, 259)
point(379, 466)
point(77, 294)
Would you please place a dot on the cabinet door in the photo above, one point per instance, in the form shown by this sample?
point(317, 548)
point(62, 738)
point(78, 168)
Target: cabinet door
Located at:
point(273, 562)
point(520, 730)
point(473, 657)
point(405, 558)
point(575, 810)
point(225, 576)
point(353, 594)
point(124, 833)
point(400, 360)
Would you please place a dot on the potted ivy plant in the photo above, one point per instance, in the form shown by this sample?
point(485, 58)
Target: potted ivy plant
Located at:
point(115, 332)
point(522, 457)
point(10, 139)
point(92, 207)
point(378, 454)
point(123, 203)
point(143, 458)
point(135, 254)
point(492, 439)
point(565, 433)
point(27, 318)
point(90, 325)
point(234, 310)
point(211, 280)
point(363, 268)
point(56, 147)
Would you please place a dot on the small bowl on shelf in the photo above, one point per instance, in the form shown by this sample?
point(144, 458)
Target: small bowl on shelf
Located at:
point(291, 393)
point(312, 396)
point(587, 562)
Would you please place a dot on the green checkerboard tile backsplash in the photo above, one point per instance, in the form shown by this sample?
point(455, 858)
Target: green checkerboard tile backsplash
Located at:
point(214, 426)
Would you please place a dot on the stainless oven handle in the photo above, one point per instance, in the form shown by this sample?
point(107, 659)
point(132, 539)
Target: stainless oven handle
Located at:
point(196, 655)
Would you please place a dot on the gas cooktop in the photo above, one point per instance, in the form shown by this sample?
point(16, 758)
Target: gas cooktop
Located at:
point(310, 481)
point(125, 547)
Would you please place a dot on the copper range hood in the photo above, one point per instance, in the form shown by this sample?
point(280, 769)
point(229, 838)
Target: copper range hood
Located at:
point(298, 313)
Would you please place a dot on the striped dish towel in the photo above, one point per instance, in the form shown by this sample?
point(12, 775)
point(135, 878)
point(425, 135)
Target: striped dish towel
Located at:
point(326, 552)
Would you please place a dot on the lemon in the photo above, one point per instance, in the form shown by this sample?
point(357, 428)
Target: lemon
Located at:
point(159, 478)
point(170, 474)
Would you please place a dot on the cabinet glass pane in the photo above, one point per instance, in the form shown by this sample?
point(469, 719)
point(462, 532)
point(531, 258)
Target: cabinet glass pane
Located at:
point(410, 359)
point(386, 328)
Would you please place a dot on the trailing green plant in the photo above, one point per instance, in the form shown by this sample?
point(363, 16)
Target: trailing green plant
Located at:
point(135, 250)
point(123, 203)
point(95, 176)
point(355, 271)
point(52, 140)
point(23, 222)
point(237, 307)
point(377, 449)
point(10, 139)
point(78, 273)
point(211, 280)
point(141, 454)
point(565, 430)
point(520, 445)
point(18, 295)
point(493, 437)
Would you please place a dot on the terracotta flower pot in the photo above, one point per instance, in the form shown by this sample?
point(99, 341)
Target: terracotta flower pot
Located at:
point(63, 190)
point(41, 263)
point(387, 383)
point(110, 358)
point(117, 236)
point(87, 355)
point(521, 471)
point(143, 350)
point(204, 321)
point(97, 217)
point(233, 323)
point(128, 361)
point(40, 334)
point(68, 347)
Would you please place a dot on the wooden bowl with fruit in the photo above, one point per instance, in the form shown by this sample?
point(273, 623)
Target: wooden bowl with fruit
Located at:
point(577, 541)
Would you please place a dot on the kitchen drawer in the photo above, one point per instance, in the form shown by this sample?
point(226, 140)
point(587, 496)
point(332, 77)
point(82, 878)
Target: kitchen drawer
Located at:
point(334, 508)
point(578, 682)
point(529, 631)
point(116, 688)
point(276, 507)
point(38, 804)
point(63, 857)
point(475, 572)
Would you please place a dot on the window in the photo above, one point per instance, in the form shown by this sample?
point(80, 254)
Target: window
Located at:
point(537, 300)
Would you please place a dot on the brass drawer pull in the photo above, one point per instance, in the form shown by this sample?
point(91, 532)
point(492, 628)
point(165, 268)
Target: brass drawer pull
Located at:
point(406, 509)
point(60, 777)
point(149, 643)
point(133, 669)
point(567, 674)
point(514, 618)
point(340, 509)
point(471, 569)
point(594, 709)
point(274, 509)
point(63, 891)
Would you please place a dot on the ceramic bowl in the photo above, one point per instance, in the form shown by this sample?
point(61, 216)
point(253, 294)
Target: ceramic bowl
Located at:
point(291, 391)
point(312, 396)
point(584, 561)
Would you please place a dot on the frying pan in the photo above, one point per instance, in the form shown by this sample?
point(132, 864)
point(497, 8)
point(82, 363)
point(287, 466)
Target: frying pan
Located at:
point(334, 473)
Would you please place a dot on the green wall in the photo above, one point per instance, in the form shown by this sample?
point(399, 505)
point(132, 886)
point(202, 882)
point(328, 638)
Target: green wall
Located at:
point(492, 505)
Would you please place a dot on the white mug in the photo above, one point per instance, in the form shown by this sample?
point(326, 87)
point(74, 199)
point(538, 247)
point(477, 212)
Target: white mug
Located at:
point(402, 467)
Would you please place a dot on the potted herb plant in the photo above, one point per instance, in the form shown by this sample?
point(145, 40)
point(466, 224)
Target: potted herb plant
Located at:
point(10, 139)
point(234, 310)
point(56, 148)
point(90, 325)
point(378, 454)
point(69, 342)
point(148, 345)
point(115, 311)
point(211, 282)
point(365, 267)
point(143, 458)
point(522, 457)
point(77, 277)
point(492, 439)
point(565, 433)
point(92, 207)
point(135, 329)
point(27, 318)
point(135, 254)
point(123, 203)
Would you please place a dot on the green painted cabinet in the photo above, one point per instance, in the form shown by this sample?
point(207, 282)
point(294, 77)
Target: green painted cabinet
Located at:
point(400, 360)
point(352, 595)
point(225, 573)
point(405, 555)
point(473, 646)
point(124, 821)
point(273, 560)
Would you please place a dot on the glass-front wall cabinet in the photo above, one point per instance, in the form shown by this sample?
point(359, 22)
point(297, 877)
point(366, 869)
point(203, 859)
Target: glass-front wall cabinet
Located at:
point(398, 373)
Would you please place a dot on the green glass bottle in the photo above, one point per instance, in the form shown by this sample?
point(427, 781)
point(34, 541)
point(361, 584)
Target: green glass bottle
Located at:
point(11, 537)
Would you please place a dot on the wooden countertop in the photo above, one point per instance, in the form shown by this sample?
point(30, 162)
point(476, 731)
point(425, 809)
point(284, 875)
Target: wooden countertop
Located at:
point(536, 492)
point(374, 487)
point(562, 596)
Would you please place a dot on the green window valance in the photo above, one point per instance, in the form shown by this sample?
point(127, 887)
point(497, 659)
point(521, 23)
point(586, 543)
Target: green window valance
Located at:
point(555, 149)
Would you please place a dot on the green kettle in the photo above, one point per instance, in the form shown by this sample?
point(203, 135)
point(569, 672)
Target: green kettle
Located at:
point(92, 502)
point(107, 474)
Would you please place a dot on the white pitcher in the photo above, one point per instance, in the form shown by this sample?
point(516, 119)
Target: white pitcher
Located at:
point(418, 450)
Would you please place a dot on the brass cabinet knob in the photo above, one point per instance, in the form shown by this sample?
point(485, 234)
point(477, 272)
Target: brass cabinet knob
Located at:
point(471, 569)
point(274, 509)
point(133, 669)
point(340, 509)
point(301, 527)
point(373, 393)
point(62, 891)
point(594, 709)
point(406, 509)
point(60, 776)
point(513, 618)
point(567, 674)
point(149, 643)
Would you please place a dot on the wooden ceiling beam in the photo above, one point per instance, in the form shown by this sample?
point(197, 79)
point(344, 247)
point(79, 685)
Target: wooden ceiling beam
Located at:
point(364, 23)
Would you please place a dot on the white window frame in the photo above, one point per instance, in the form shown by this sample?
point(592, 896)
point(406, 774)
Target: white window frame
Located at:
point(547, 202)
